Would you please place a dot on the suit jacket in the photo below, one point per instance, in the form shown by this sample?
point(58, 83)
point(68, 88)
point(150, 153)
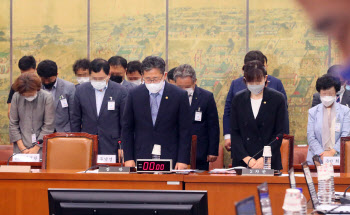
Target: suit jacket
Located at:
point(172, 127)
point(316, 99)
point(238, 85)
point(249, 135)
point(63, 115)
point(108, 124)
point(37, 115)
point(128, 85)
point(314, 129)
point(207, 130)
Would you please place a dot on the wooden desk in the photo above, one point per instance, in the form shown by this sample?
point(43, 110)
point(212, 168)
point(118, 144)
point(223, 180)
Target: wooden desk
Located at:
point(26, 193)
point(225, 190)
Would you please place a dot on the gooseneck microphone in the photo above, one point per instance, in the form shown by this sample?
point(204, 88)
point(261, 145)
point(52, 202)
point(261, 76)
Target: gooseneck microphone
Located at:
point(279, 136)
point(34, 144)
point(121, 152)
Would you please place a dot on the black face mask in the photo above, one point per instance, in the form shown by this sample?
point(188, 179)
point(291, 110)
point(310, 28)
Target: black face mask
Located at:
point(49, 85)
point(116, 78)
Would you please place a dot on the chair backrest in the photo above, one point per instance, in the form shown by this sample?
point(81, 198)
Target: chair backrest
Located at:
point(5, 152)
point(344, 155)
point(193, 152)
point(69, 151)
point(287, 152)
point(300, 154)
point(219, 163)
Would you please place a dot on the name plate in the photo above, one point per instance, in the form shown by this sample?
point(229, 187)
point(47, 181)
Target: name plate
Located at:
point(260, 172)
point(332, 160)
point(106, 159)
point(115, 169)
point(26, 158)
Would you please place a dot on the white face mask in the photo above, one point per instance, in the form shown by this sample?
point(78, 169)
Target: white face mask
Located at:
point(190, 91)
point(137, 82)
point(155, 87)
point(98, 85)
point(83, 79)
point(327, 100)
point(31, 98)
point(255, 89)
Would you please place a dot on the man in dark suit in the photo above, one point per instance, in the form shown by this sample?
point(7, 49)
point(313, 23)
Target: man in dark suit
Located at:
point(343, 95)
point(238, 85)
point(205, 119)
point(118, 66)
point(62, 92)
point(157, 113)
point(98, 107)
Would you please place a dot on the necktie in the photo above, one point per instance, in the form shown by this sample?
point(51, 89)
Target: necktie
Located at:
point(154, 107)
point(190, 98)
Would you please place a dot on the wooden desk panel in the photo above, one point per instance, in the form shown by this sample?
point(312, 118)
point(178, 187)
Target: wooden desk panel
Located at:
point(225, 190)
point(26, 193)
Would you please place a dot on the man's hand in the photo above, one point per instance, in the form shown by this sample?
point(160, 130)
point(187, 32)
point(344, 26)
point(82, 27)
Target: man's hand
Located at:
point(329, 153)
point(180, 166)
point(33, 150)
point(130, 163)
point(259, 164)
point(211, 158)
point(228, 144)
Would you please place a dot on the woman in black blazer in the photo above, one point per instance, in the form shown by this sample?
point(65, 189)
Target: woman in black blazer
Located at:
point(258, 117)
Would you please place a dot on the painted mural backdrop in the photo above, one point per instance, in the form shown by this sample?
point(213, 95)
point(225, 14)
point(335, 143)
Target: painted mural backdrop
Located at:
point(211, 35)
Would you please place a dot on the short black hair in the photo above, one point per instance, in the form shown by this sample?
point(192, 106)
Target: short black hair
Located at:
point(328, 81)
point(254, 71)
point(134, 66)
point(81, 64)
point(98, 64)
point(47, 68)
point(255, 55)
point(170, 74)
point(27, 63)
point(152, 62)
point(118, 61)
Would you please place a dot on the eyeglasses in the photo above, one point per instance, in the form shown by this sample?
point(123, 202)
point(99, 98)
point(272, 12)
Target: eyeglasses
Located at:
point(153, 80)
point(98, 79)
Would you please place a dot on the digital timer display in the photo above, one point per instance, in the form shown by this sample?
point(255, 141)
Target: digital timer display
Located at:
point(151, 165)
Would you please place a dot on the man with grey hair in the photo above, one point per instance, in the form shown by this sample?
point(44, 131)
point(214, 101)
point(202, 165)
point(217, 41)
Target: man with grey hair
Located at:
point(204, 116)
point(156, 119)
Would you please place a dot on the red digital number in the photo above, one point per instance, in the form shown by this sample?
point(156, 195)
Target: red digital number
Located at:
point(150, 166)
point(145, 166)
point(157, 166)
point(162, 167)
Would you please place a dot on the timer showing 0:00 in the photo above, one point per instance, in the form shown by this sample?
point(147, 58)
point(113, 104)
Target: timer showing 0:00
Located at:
point(152, 166)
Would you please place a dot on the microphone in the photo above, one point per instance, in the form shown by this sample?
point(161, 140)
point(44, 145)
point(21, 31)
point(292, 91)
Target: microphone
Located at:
point(278, 137)
point(33, 144)
point(121, 152)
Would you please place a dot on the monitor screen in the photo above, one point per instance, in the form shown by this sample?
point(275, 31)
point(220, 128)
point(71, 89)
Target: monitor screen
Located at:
point(127, 202)
point(292, 178)
point(246, 206)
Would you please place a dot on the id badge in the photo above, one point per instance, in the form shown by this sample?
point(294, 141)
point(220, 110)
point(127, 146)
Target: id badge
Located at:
point(64, 103)
point(111, 104)
point(33, 138)
point(198, 116)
